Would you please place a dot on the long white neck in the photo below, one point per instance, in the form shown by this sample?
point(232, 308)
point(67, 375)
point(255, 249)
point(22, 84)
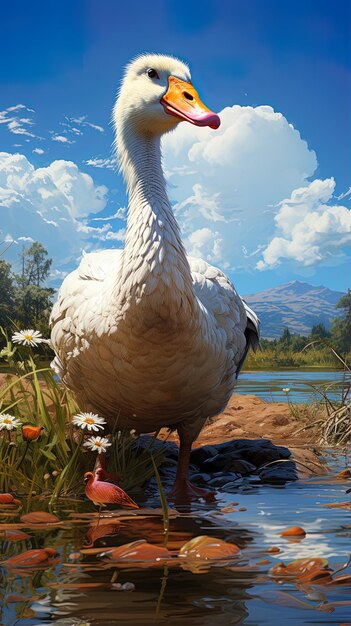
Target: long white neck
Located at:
point(155, 271)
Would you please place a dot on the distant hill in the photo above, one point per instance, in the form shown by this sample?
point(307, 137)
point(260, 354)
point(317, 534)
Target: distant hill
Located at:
point(297, 305)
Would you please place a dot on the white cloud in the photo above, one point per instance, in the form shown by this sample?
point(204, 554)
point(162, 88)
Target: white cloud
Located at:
point(227, 183)
point(82, 121)
point(62, 139)
point(121, 214)
point(38, 151)
point(311, 231)
point(49, 204)
point(74, 125)
point(15, 123)
point(108, 163)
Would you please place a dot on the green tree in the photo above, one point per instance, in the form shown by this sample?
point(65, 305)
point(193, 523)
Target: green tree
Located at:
point(341, 328)
point(7, 292)
point(32, 298)
point(319, 331)
point(285, 340)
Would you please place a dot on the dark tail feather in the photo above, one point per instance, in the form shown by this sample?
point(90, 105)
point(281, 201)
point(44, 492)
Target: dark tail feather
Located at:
point(252, 334)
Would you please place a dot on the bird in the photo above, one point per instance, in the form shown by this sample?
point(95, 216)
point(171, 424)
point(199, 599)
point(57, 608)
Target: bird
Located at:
point(32, 559)
point(146, 335)
point(101, 492)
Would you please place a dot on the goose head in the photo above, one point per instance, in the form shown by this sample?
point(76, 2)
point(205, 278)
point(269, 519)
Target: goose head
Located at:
point(157, 94)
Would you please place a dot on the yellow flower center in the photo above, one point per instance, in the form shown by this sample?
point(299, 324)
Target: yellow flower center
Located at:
point(98, 443)
point(28, 337)
point(89, 420)
point(7, 421)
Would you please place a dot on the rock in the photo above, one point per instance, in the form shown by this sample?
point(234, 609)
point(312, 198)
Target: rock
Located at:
point(231, 486)
point(279, 473)
point(200, 478)
point(228, 462)
point(199, 455)
point(224, 478)
point(147, 441)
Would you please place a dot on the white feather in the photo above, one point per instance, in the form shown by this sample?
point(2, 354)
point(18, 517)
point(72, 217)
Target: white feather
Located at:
point(148, 334)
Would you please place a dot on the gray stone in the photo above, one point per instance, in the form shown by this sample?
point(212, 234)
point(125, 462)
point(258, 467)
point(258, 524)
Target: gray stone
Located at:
point(199, 455)
point(279, 473)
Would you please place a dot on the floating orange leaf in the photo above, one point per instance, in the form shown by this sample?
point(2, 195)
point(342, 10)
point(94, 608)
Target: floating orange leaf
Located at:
point(32, 558)
point(304, 570)
point(339, 505)
point(205, 547)
point(39, 517)
point(138, 551)
point(16, 597)
point(273, 550)
point(345, 579)
point(8, 498)
point(14, 535)
point(345, 474)
point(294, 531)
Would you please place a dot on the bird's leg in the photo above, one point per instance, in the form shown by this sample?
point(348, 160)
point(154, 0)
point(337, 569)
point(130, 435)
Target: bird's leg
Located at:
point(183, 489)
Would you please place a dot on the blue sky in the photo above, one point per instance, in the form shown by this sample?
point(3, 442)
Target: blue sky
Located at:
point(274, 64)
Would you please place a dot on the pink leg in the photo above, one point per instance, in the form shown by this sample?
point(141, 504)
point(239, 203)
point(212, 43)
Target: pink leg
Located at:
point(183, 490)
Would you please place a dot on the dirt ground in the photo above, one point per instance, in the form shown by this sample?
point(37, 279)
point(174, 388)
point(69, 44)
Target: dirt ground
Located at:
point(249, 417)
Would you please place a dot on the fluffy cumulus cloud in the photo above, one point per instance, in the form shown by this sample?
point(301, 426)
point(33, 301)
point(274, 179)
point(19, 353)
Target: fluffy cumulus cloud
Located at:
point(311, 228)
point(50, 204)
point(226, 184)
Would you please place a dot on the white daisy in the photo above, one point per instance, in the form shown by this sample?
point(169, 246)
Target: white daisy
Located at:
point(8, 422)
point(90, 421)
point(28, 337)
point(97, 443)
point(286, 389)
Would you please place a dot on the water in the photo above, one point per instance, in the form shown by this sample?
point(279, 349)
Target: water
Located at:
point(77, 590)
point(269, 385)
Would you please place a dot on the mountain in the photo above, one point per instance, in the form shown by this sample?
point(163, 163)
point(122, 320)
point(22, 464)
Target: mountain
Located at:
point(297, 305)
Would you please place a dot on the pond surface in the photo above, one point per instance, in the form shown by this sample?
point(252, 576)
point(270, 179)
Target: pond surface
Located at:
point(77, 590)
point(269, 385)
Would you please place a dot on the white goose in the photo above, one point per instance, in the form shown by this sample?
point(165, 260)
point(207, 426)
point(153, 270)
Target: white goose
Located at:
point(146, 335)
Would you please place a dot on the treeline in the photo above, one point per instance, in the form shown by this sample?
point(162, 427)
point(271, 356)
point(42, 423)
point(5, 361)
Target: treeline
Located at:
point(290, 350)
point(25, 300)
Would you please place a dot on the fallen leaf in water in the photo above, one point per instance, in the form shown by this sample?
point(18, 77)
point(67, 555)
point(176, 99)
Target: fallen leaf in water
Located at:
point(32, 559)
point(345, 474)
point(242, 508)
point(273, 550)
point(197, 552)
point(264, 562)
point(14, 535)
point(345, 579)
point(6, 498)
point(228, 509)
point(9, 499)
point(294, 531)
point(303, 570)
point(16, 597)
point(39, 517)
point(138, 551)
point(339, 505)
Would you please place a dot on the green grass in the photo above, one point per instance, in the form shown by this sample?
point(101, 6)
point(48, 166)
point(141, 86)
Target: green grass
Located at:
point(54, 465)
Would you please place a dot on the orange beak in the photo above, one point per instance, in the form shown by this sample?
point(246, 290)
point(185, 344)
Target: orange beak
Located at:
point(182, 100)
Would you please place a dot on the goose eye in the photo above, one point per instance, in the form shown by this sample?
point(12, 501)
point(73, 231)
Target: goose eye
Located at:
point(152, 73)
